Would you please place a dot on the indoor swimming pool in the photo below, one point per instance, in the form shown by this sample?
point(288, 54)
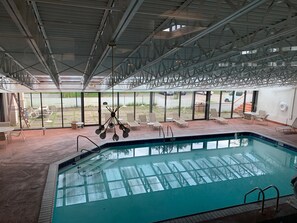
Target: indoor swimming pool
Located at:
point(151, 182)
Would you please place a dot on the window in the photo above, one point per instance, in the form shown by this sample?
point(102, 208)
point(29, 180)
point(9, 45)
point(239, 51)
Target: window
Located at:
point(71, 107)
point(91, 108)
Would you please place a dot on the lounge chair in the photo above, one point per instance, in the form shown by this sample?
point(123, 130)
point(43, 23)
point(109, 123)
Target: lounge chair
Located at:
point(262, 118)
point(153, 121)
point(288, 129)
point(179, 121)
point(142, 119)
point(131, 121)
point(214, 115)
point(261, 115)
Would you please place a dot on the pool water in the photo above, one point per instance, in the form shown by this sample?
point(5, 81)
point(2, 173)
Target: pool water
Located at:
point(153, 182)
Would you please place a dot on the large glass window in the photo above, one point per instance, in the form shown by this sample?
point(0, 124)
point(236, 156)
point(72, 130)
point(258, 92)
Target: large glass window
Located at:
point(71, 107)
point(159, 105)
point(47, 110)
point(172, 106)
point(242, 103)
point(142, 104)
point(32, 110)
point(226, 104)
point(126, 105)
point(200, 102)
point(51, 110)
point(215, 100)
point(186, 105)
point(91, 108)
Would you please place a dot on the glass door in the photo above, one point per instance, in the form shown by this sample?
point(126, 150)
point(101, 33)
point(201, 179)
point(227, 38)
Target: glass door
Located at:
point(199, 105)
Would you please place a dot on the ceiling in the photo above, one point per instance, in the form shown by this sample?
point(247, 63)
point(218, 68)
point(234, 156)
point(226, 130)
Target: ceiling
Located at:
point(139, 45)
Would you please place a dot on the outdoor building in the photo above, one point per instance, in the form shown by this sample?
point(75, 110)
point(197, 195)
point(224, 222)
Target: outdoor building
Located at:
point(78, 74)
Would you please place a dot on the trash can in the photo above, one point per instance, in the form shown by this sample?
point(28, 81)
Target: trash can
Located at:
point(200, 107)
point(73, 125)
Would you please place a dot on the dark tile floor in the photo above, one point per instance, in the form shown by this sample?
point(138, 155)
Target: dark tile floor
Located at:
point(24, 164)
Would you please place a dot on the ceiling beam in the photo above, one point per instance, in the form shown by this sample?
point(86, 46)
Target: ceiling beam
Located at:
point(111, 35)
point(20, 14)
point(169, 51)
point(14, 70)
point(84, 4)
point(205, 58)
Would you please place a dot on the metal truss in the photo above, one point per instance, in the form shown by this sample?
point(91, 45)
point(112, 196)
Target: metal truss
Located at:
point(156, 50)
point(12, 69)
point(22, 15)
point(114, 25)
point(215, 59)
point(238, 63)
point(237, 78)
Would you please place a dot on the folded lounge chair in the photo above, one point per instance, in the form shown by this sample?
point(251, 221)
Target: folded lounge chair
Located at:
point(214, 115)
point(288, 129)
point(131, 121)
point(179, 121)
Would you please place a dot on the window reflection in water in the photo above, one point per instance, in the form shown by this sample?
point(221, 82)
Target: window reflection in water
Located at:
point(154, 168)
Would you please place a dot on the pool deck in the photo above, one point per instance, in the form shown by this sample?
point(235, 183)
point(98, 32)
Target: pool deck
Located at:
point(24, 164)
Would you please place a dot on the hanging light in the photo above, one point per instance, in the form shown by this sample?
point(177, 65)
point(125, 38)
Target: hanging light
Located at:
point(112, 121)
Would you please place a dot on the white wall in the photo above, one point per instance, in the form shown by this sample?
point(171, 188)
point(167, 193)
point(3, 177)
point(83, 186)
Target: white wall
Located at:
point(269, 100)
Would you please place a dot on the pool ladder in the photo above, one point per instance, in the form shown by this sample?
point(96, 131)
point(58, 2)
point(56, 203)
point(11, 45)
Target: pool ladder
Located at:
point(79, 136)
point(169, 128)
point(261, 192)
point(161, 130)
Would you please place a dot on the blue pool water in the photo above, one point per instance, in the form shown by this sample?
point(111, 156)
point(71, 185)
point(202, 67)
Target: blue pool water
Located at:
point(153, 182)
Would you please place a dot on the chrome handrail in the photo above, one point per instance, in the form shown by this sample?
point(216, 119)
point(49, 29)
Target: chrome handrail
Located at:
point(85, 138)
point(161, 130)
point(169, 128)
point(263, 197)
point(277, 195)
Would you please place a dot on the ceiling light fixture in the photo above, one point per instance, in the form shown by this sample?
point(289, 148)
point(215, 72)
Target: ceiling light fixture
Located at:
point(112, 120)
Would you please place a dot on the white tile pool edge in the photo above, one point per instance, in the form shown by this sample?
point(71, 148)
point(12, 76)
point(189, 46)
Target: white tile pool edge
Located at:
point(49, 193)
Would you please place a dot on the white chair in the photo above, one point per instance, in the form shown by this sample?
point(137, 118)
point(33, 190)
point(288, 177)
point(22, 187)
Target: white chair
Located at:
point(179, 121)
point(142, 119)
point(153, 121)
point(262, 114)
point(288, 129)
point(214, 115)
point(131, 122)
point(262, 119)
